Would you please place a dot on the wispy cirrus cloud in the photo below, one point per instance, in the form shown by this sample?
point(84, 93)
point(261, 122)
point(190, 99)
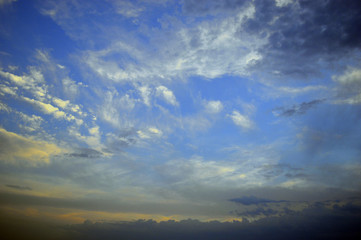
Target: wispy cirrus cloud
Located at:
point(297, 109)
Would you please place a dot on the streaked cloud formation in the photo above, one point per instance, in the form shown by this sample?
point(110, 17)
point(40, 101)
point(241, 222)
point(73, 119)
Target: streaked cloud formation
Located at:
point(169, 110)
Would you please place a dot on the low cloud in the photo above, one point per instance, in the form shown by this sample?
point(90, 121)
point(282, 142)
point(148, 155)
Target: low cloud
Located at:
point(297, 109)
point(19, 187)
point(85, 153)
point(316, 222)
point(252, 200)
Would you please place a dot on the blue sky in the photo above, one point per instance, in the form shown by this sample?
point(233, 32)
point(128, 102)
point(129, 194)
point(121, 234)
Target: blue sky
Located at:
point(120, 110)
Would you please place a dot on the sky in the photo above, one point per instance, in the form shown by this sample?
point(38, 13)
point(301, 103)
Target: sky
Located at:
point(121, 110)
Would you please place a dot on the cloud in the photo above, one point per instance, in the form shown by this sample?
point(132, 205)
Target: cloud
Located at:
point(34, 84)
point(198, 170)
point(213, 107)
point(116, 109)
point(145, 92)
point(252, 200)
point(241, 120)
point(4, 107)
point(119, 142)
point(85, 153)
point(297, 109)
point(283, 3)
point(32, 123)
point(349, 86)
point(316, 222)
point(196, 123)
point(259, 211)
point(18, 187)
point(275, 91)
point(149, 133)
point(198, 8)
point(205, 50)
point(29, 123)
point(70, 87)
point(167, 95)
point(19, 150)
point(49, 109)
point(93, 140)
point(249, 167)
point(128, 9)
point(6, 2)
point(61, 103)
point(316, 33)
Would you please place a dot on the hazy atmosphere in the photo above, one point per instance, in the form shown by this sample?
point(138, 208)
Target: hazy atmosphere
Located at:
point(196, 119)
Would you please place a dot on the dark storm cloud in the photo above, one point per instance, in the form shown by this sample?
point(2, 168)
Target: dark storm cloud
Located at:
point(18, 187)
point(305, 27)
point(256, 212)
point(252, 200)
point(303, 34)
point(349, 207)
point(316, 222)
point(297, 109)
point(85, 153)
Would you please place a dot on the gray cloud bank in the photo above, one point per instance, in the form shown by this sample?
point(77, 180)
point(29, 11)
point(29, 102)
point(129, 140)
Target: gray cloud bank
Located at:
point(316, 222)
point(250, 200)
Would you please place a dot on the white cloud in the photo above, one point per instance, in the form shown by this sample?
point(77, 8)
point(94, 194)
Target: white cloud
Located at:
point(300, 90)
point(93, 140)
point(16, 79)
point(247, 166)
point(51, 110)
point(29, 123)
point(349, 86)
point(70, 87)
point(145, 92)
point(32, 123)
point(128, 9)
point(167, 95)
point(94, 130)
point(61, 103)
point(7, 90)
point(43, 56)
point(149, 133)
point(214, 48)
point(241, 120)
point(34, 82)
point(66, 105)
point(115, 110)
point(213, 107)
point(4, 107)
point(283, 3)
point(208, 49)
point(197, 170)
